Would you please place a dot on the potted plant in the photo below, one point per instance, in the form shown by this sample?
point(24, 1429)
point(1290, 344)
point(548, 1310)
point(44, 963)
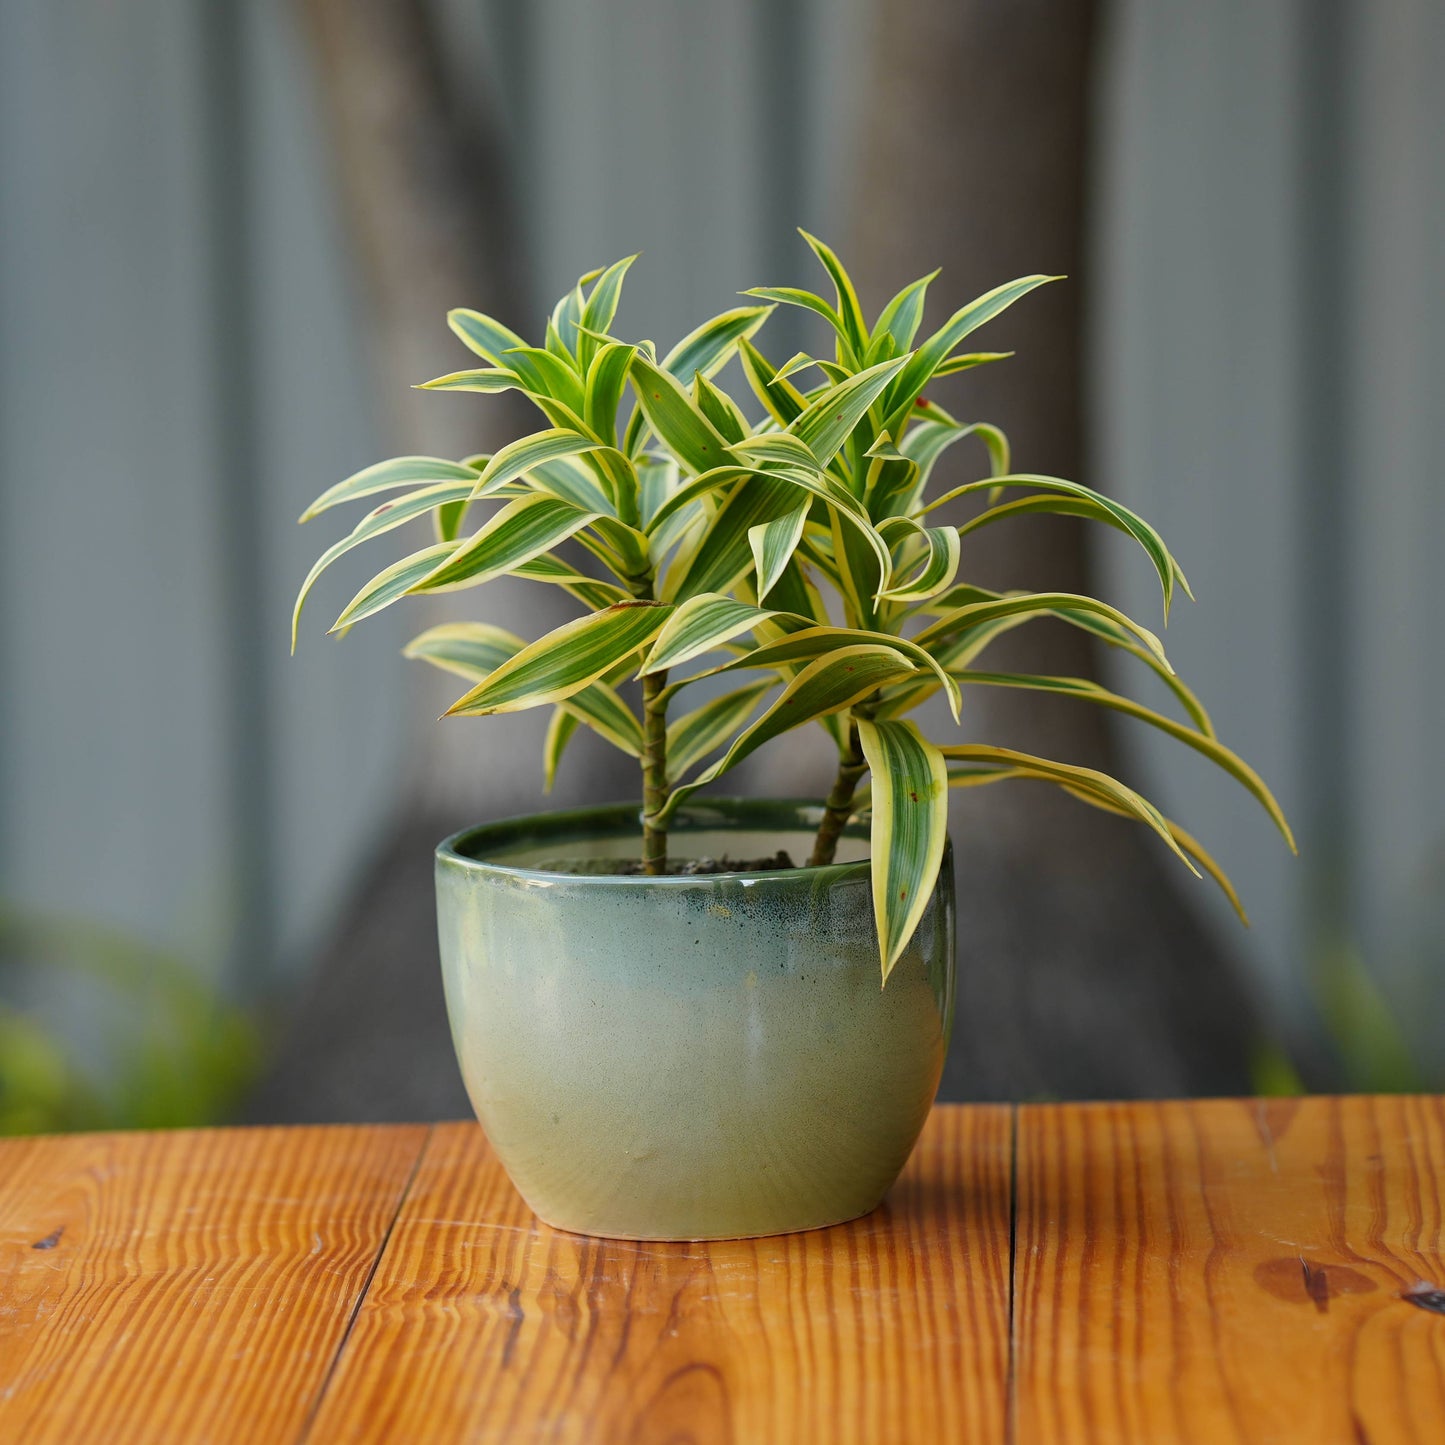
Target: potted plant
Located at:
point(668, 1030)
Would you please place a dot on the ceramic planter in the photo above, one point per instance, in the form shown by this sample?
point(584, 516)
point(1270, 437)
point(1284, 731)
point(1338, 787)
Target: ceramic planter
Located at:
point(689, 1057)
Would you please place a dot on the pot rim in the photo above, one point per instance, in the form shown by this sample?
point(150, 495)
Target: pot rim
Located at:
point(704, 814)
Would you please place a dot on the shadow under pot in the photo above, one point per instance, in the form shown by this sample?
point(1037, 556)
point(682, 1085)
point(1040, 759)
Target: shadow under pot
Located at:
point(689, 1057)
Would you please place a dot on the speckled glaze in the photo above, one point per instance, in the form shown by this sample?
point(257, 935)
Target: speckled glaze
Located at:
point(689, 1058)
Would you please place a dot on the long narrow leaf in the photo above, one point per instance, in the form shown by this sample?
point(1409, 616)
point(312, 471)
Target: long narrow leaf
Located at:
point(566, 660)
point(676, 418)
point(1153, 544)
point(773, 544)
point(828, 685)
point(1122, 796)
point(388, 476)
point(521, 530)
point(1087, 691)
point(708, 348)
point(395, 581)
point(699, 625)
point(520, 456)
point(696, 734)
point(385, 517)
point(909, 828)
point(827, 422)
point(926, 360)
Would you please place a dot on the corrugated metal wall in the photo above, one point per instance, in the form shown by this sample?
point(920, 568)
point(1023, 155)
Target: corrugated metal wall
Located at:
point(1268, 363)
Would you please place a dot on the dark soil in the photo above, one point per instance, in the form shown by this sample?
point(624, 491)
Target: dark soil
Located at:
point(676, 867)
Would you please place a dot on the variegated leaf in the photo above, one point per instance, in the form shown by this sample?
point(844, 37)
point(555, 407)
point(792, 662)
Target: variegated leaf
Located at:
point(773, 544)
point(696, 734)
point(926, 360)
point(909, 828)
point(387, 477)
point(699, 625)
point(519, 531)
point(829, 421)
point(676, 418)
point(395, 581)
point(828, 685)
point(519, 457)
point(566, 660)
point(1090, 779)
point(383, 519)
point(708, 348)
point(1153, 544)
point(1087, 691)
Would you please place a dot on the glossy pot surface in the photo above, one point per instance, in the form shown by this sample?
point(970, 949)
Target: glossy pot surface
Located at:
point(689, 1057)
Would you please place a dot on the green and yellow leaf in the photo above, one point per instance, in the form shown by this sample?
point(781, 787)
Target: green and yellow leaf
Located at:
point(909, 828)
point(566, 660)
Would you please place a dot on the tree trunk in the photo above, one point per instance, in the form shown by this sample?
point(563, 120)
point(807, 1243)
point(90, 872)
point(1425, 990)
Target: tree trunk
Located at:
point(1082, 969)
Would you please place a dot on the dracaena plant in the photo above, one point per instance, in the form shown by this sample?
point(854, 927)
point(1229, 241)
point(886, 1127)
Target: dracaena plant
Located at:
point(711, 532)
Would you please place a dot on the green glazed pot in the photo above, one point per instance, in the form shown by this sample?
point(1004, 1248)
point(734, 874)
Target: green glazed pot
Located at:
point(689, 1057)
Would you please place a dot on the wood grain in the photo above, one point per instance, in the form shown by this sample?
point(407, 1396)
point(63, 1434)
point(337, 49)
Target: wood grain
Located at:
point(186, 1286)
point(483, 1324)
point(1230, 1271)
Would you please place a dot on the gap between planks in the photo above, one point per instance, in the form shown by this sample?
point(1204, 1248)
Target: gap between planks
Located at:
point(365, 1289)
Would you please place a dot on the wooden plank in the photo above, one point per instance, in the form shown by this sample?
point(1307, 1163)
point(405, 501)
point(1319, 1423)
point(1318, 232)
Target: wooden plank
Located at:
point(182, 1286)
point(1230, 1271)
point(891, 1328)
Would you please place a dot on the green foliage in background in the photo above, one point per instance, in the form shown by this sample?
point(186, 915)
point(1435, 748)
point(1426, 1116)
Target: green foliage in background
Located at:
point(800, 542)
point(176, 1054)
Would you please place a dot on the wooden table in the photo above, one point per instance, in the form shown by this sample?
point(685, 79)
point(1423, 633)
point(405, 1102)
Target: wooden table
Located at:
point(1219, 1271)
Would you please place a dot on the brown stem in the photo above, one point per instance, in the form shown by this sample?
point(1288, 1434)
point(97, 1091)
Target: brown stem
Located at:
point(654, 773)
point(839, 806)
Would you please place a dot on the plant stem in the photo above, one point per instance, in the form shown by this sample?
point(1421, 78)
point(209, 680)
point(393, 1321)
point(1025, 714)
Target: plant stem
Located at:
point(654, 773)
point(839, 806)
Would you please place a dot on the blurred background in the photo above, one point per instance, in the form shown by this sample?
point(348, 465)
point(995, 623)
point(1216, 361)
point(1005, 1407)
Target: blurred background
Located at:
point(229, 232)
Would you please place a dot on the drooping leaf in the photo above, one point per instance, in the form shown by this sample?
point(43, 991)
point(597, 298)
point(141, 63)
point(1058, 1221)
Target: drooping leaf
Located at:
point(519, 531)
point(803, 643)
point(1211, 748)
point(936, 570)
point(1089, 779)
point(808, 300)
point(465, 649)
point(395, 581)
point(559, 733)
point(388, 476)
point(566, 660)
point(953, 623)
point(909, 828)
point(1153, 544)
point(383, 519)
